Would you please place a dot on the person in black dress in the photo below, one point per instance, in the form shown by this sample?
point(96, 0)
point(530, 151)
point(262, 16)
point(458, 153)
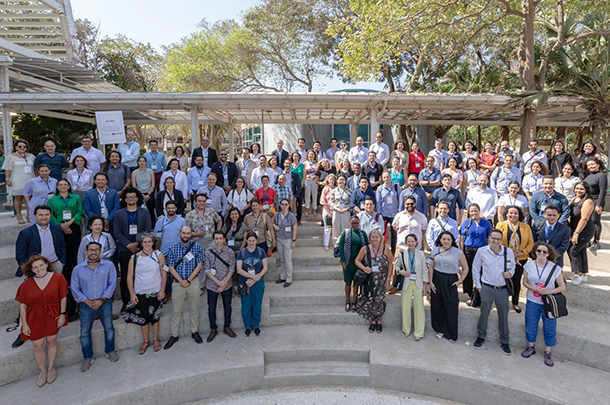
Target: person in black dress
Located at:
point(559, 157)
point(598, 184)
point(582, 227)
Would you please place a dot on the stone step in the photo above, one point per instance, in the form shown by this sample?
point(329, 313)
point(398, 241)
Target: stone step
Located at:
point(429, 367)
point(315, 256)
point(294, 355)
point(8, 264)
point(316, 373)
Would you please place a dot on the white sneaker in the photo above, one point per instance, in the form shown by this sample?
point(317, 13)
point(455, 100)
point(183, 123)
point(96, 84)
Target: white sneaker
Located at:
point(584, 278)
point(576, 280)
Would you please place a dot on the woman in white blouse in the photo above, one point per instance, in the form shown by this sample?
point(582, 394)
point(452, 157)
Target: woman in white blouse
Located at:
point(19, 167)
point(566, 183)
point(80, 177)
point(532, 183)
point(180, 179)
point(471, 174)
point(240, 197)
point(96, 223)
point(512, 198)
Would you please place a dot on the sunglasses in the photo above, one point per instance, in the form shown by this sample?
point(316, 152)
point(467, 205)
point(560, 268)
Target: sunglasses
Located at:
point(544, 252)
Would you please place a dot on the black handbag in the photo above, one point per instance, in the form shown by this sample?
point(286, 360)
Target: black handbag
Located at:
point(360, 276)
point(242, 290)
point(555, 305)
point(399, 280)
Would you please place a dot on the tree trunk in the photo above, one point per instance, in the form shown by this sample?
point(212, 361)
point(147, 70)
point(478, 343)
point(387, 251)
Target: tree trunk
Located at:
point(386, 72)
point(417, 72)
point(402, 134)
point(312, 130)
point(506, 134)
point(579, 137)
point(560, 133)
point(527, 64)
point(597, 134)
point(528, 129)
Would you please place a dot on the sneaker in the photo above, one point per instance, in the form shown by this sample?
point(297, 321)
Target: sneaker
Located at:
point(506, 349)
point(584, 278)
point(257, 332)
point(247, 332)
point(548, 360)
point(528, 352)
point(478, 343)
point(594, 246)
point(576, 280)
point(86, 365)
point(113, 357)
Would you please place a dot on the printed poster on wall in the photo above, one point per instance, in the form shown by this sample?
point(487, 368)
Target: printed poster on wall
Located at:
point(110, 128)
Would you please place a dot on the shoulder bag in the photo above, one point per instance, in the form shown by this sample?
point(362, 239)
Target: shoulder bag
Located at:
point(555, 305)
point(399, 280)
point(360, 276)
point(509, 281)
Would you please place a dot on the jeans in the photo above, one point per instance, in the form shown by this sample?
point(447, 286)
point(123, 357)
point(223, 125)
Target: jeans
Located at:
point(533, 312)
point(251, 305)
point(87, 316)
point(226, 302)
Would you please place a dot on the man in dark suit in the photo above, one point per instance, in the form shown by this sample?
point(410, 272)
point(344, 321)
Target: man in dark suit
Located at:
point(209, 154)
point(226, 172)
point(129, 222)
point(280, 154)
point(554, 233)
point(102, 194)
point(42, 238)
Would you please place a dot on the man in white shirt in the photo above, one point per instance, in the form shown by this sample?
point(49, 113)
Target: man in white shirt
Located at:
point(381, 150)
point(358, 154)
point(245, 167)
point(332, 151)
point(262, 169)
point(442, 222)
point(440, 155)
point(532, 155)
point(492, 265)
point(94, 156)
point(302, 151)
point(484, 196)
point(130, 150)
point(317, 147)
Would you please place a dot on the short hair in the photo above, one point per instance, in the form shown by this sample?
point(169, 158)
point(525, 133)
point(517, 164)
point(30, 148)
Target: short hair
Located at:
point(100, 174)
point(170, 202)
point(301, 139)
point(548, 177)
point(377, 232)
point(212, 174)
point(27, 266)
point(255, 200)
point(369, 199)
point(318, 142)
point(443, 203)
point(552, 207)
point(364, 178)
point(93, 219)
point(44, 165)
point(201, 195)
point(199, 156)
point(140, 237)
point(218, 232)
point(251, 234)
point(552, 252)
point(86, 137)
point(93, 243)
point(153, 141)
point(533, 140)
point(411, 198)
point(333, 139)
point(495, 230)
point(447, 175)
point(264, 176)
point(49, 140)
point(41, 207)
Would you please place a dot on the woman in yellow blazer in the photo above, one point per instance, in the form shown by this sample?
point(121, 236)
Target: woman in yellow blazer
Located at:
point(518, 237)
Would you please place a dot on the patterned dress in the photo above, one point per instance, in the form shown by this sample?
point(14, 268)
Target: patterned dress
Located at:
point(372, 308)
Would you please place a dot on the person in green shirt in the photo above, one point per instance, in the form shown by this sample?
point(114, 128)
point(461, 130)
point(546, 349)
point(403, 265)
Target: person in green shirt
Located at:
point(67, 212)
point(350, 243)
point(298, 168)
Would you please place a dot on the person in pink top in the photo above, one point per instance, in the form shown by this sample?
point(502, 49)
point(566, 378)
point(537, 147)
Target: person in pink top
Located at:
point(327, 213)
point(417, 160)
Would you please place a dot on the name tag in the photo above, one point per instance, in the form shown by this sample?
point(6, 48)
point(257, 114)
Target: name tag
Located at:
point(128, 152)
point(201, 182)
point(389, 200)
point(252, 271)
point(266, 206)
point(412, 277)
point(244, 172)
point(28, 169)
point(417, 165)
point(133, 229)
point(104, 211)
point(226, 176)
point(288, 229)
point(213, 271)
point(361, 205)
point(153, 166)
point(375, 269)
point(67, 215)
point(160, 234)
point(231, 242)
point(509, 265)
point(189, 256)
point(371, 179)
point(256, 232)
point(342, 204)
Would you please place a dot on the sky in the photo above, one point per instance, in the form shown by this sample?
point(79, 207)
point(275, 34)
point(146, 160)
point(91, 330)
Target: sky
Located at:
point(161, 22)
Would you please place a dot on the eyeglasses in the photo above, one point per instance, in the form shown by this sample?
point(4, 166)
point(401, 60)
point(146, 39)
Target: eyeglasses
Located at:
point(284, 204)
point(93, 250)
point(544, 252)
point(131, 197)
point(409, 204)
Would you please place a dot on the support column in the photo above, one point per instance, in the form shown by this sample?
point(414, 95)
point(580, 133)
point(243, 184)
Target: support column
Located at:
point(194, 129)
point(374, 126)
point(231, 143)
point(7, 125)
point(353, 134)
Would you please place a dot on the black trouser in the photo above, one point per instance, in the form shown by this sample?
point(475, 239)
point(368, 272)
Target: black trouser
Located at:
point(72, 244)
point(150, 206)
point(597, 223)
point(578, 253)
point(444, 305)
point(299, 202)
point(124, 257)
point(393, 234)
point(517, 281)
point(226, 302)
point(470, 252)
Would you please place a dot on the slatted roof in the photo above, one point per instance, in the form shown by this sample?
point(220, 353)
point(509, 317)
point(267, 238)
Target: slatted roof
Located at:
point(295, 108)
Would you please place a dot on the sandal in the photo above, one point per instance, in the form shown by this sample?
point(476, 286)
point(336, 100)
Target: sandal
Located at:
point(347, 307)
point(417, 339)
point(407, 334)
point(440, 335)
point(372, 328)
point(157, 345)
point(20, 220)
point(354, 307)
point(143, 348)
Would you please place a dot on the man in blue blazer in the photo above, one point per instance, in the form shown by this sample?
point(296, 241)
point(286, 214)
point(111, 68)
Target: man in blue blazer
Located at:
point(555, 233)
point(280, 154)
point(101, 193)
point(222, 167)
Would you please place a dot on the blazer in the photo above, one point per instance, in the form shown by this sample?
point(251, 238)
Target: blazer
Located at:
point(28, 244)
point(92, 203)
point(281, 157)
point(212, 157)
point(421, 270)
point(121, 226)
point(560, 239)
point(220, 179)
point(240, 167)
point(527, 239)
point(178, 197)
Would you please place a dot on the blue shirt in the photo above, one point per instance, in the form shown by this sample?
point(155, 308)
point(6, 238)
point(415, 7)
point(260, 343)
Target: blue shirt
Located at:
point(56, 162)
point(421, 200)
point(541, 200)
point(358, 197)
point(169, 231)
point(501, 178)
point(155, 161)
point(426, 175)
point(129, 153)
point(452, 197)
point(457, 156)
point(89, 284)
point(251, 261)
point(217, 199)
point(388, 201)
point(187, 267)
point(476, 235)
point(435, 229)
point(197, 178)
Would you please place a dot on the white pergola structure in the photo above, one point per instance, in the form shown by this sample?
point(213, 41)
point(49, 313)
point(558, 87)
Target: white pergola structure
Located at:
point(293, 108)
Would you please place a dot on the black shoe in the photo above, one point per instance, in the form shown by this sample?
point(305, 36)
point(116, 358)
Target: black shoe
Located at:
point(279, 281)
point(229, 332)
point(197, 337)
point(594, 246)
point(372, 328)
point(123, 309)
point(212, 335)
point(257, 331)
point(379, 328)
point(170, 342)
point(478, 343)
point(506, 349)
point(247, 332)
point(18, 342)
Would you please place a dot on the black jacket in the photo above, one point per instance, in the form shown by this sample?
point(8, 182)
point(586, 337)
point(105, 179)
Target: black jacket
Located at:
point(220, 180)
point(28, 244)
point(212, 157)
point(121, 226)
point(280, 159)
point(178, 197)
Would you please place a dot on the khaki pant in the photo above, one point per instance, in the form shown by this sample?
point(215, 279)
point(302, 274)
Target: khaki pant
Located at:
point(412, 292)
point(179, 293)
point(285, 251)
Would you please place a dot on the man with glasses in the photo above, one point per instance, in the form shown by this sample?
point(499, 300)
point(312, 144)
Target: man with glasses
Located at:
point(485, 197)
point(226, 172)
point(94, 156)
point(492, 265)
point(505, 150)
point(217, 199)
point(283, 191)
point(130, 151)
point(128, 223)
point(56, 161)
point(209, 154)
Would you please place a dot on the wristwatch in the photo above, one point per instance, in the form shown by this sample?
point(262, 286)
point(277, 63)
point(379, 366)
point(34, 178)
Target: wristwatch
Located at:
point(103, 299)
point(62, 313)
point(294, 240)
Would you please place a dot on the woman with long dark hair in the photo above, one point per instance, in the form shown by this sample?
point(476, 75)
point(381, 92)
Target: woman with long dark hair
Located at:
point(589, 151)
point(598, 184)
point(559, 158)
point(583, 229)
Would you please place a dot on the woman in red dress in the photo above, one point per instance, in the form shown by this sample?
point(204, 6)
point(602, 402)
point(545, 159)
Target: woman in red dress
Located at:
point(488, 160)
point(42, 308)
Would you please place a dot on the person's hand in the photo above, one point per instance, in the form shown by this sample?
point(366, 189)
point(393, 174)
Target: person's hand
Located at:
point(61, 320)
point(25, 329)
point(202, 233)
point(10, 184)
point(574, 239)
point(506, 274)
point(387, 283)
point(292, 245)
point(250, 282)
point(95, 304)
point(219, 290)
point(64, 226)
point(432, 287)
point(368, 270)
point(106, 224)
point(344, 265)
point(456, 284)
point(598, 210)
point(184, 284)
point(134, 299)
point(161, 295)
point(275, 227)
point(544, 291)
point(145, 198)
point(479, 290)
point(133, 247)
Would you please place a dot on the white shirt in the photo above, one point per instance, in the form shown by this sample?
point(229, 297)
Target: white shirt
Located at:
point(181, 180)
point(506, 200)
point(341, 155)
point(532, 184)
point(529, 158)
point(303, 153)
point(94, 157)
point(416, 224)
point(493, 266)
point(487, 200)
point(439, 157)
point(147, 274)
point(239, 200)
point(566, 186)
point(367, 224)
point(358, 155)
point(537, 275)
point(435, 229)
point(382, 153)
point(80, 181)
point(255, 180)
point(472, 178)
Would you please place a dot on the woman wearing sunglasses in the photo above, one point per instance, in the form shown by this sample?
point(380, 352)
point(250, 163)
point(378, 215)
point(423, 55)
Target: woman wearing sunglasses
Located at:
point(536, 273)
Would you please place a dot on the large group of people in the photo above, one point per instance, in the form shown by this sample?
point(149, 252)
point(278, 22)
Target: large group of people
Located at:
point(160, 229)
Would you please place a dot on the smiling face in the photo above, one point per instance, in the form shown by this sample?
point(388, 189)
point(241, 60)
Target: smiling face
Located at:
point(472, 165)
point(49, 147)
point(588, 148)
point(548, 185)
point(341, 181)
point(147, 243)
point(39, 267)
point(44, 172)
point(513, 215)
point(114, 159)
point(567, 171)
point(98, 226)
point(580, 191)
point(535, 169)
point(169, 184)
point(415, 148)
point(446, 241)
point(359, 142)
point(533, 146)
point(513, 189)
point(474, 212)
point(558, 147)
point(592, 166)
point(355, 223)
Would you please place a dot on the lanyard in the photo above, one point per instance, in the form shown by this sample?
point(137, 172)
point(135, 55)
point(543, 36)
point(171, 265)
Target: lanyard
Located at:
point(65, 201)
point(285, 218)
point(265, 195)
point(233, 229)
point(535, 180)
point(442, 252)
point(132, 218)
point(200, 172)
point(154, 156)
point(342, 194)
point(166, 222)
point(251, 254)
point(513, 202)
point(79, 175)
point(101, 196)
point(256, 219)
point(377, 251)
point(200, 216)
point(98, 239)
point(538, 270)
point(172, 173)
point(24, 156)
point(47, 182)
point(151, 256)
point(412, 261)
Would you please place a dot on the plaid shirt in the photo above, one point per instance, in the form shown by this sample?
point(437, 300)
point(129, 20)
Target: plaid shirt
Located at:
point(212, 262)
point(282, 192)
point(187, 267)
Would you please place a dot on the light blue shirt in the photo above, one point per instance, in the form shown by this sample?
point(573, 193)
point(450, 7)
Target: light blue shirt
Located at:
point(169, 231)
point(501, 178)
point(387, 199)
point(89, 284)
point(46, 243)
point(39, 191)
point(197, 178)
point(129, 153)
point(532, 184)
point(435, 229)
point(217, 199)
point(155, 161)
